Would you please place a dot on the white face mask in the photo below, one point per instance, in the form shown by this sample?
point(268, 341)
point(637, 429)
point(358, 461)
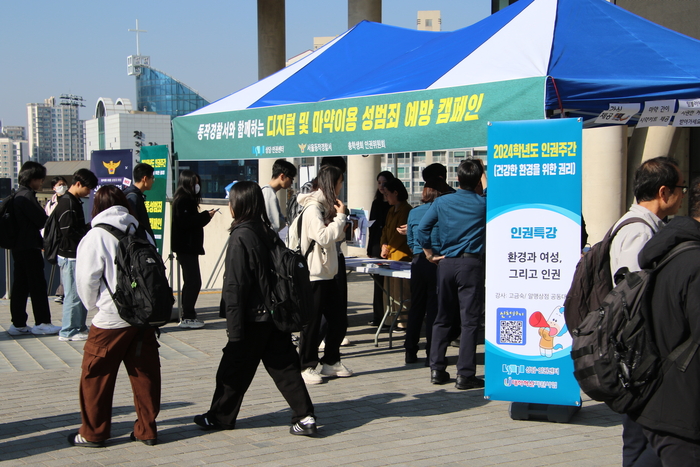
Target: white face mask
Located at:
point(61, 190)
point(196, 189)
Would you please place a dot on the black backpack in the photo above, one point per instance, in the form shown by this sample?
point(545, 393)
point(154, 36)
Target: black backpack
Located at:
point(616, 359)
point(52, 238)
point(289, 300)
point(592, 280)
point(8, 223)
point(143, 296)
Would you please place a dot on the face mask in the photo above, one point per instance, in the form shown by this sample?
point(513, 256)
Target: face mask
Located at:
point(196, 189)
point(61, 190)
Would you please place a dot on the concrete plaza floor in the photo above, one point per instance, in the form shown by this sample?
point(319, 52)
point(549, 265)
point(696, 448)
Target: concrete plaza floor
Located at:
point(388, 413)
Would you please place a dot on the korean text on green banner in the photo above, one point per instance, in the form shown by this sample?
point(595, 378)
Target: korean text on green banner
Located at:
point(157, 157)
point(533, 233)
point(409, 121)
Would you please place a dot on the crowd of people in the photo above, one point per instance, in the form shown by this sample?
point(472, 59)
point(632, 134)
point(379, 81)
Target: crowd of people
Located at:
point(443, 238)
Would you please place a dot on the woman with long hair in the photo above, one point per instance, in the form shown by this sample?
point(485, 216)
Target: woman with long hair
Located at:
point(187, 240)
point(377, 213)
point(322, 218)
point(423, 274)
point(252, 334)
point(112, 340)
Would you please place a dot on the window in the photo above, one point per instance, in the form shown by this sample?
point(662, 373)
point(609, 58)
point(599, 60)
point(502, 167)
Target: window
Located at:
point(439, 157)
point(418, 157)
point(428, 23)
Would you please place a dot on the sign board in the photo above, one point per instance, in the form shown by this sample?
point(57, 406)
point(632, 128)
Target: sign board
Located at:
point(533, 234)
point(157, 157)
point(400, 122)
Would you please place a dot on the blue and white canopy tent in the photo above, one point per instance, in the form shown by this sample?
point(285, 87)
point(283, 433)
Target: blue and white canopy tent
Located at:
point(379, 88)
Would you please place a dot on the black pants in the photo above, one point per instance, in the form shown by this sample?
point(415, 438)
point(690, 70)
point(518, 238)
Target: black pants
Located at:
point(261, 341)
point(673, 451)
point(191, 283)
point(423, 302)
point(342, 281)
point(28, 282)
point(325, 303)
point(637, 451)
point(460, 282)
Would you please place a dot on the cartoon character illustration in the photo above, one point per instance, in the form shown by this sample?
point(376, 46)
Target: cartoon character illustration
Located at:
point(549, 328)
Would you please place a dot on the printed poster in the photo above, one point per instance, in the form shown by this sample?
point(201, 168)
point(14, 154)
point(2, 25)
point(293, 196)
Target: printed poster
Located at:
point(533, 236)
point(157, 157)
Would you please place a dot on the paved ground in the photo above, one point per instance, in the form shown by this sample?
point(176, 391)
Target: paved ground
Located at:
point(387, 414)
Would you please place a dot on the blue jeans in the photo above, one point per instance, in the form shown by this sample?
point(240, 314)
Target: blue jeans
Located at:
point(74, 313)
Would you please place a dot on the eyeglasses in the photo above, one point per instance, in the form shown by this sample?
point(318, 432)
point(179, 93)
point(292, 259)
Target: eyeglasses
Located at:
point(682, 187)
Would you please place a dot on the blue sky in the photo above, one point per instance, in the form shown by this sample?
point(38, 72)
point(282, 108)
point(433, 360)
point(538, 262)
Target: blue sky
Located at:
point(53, 47)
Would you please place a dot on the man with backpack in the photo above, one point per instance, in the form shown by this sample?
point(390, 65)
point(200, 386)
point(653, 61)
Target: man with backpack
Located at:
point(71, 221)
point(26, 252)
point(143, 181)
point(671, 417)
point(658, 190)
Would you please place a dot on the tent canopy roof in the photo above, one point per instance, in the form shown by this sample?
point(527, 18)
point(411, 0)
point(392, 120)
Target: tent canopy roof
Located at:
point(595, 53)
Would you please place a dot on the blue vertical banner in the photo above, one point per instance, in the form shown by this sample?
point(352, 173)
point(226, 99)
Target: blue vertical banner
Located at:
point(112, 166)
point(533, 232)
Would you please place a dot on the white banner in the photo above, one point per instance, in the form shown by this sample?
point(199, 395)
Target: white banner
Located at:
point(618, 113)
point(657, 113)
point(688, 113)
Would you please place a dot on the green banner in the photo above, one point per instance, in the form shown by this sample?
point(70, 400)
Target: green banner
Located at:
point(157, 157)
point(402, 122)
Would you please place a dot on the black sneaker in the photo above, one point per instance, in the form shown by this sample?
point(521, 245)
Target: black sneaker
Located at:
point(147, 442)
point(76, 439)
point(439, 377)
point(306, 427)
point(205, 422)
point(411, 357)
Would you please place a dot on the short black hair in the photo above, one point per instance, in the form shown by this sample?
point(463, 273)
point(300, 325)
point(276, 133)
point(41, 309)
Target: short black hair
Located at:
point(652, 175)
point(142, 170)
point(285, 167)
point(469, 174)
point(30, 170)
point(86, 178)
point(434, 170)
point(397, 186)
point(335, 161)
point(57, 179)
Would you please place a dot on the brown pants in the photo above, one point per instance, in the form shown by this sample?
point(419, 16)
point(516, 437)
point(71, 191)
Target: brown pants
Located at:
point(104, 351)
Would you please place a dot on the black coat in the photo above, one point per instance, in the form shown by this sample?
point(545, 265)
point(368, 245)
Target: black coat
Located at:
point(675, 407)
point(137, 200)
point(187, 232)
point(378, 212)
point(245, 277)
point(31, 218)
point(71, 221)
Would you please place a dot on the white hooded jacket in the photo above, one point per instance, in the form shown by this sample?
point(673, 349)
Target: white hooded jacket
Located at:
point(323, 259)
point(95, 258)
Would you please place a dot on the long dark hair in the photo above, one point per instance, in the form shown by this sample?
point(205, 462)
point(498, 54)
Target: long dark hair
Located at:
point(247, 202)
point(388, 176)
point(108, 196)
point(327, 179)
point(185, 187)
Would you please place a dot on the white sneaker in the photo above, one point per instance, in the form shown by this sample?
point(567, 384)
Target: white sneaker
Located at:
point(45, 328)
point(337, 369)
point(191, 323)
point(81, 336)
point(311, 376)
point(23, 331)
point(322, 345)
point(346, 341)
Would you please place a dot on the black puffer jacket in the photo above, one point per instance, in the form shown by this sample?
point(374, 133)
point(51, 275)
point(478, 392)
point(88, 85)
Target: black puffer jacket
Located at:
point(675, 407)
point(245, 277)
point(31, 218)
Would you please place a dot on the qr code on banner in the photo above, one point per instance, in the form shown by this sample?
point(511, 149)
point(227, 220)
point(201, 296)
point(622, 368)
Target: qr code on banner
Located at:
point(511, 332)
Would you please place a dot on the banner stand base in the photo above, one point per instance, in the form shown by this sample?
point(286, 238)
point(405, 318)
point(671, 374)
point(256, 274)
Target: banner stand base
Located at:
point(552, 413)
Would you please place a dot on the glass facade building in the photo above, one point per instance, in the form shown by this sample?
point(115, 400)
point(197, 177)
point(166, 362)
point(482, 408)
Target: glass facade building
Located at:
point(164, 95)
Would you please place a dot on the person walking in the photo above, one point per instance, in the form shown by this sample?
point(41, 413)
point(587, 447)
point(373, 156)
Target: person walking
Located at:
point(29, 281)
point(187, 240)
point(323, 220)
point(112, 340)
point(252, 334)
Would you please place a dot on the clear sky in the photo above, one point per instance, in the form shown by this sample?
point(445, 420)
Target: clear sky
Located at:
point(54, 47)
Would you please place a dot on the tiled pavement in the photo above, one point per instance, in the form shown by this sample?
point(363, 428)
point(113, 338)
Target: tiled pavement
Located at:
point(387, 414)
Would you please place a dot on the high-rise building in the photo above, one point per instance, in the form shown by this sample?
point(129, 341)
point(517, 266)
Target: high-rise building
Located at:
point(55, 131)
point(11, 155)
